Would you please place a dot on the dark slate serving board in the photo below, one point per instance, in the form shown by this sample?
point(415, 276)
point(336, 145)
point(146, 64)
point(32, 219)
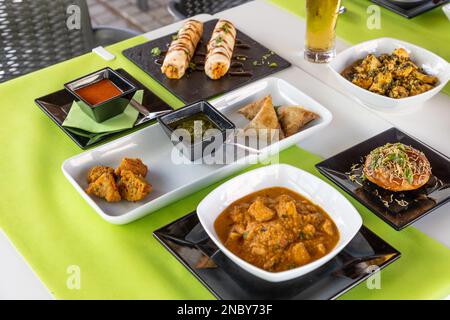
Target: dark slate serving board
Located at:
point(196, 85)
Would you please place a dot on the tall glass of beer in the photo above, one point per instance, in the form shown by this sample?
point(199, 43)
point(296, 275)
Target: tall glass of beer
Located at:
point(321, 18)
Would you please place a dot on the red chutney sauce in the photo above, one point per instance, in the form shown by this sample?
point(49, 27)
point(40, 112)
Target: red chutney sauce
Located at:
point(99, 91)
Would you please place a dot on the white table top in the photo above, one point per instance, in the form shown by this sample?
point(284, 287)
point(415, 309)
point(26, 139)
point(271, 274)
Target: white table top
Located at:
point(352, 123)
point(429, 124)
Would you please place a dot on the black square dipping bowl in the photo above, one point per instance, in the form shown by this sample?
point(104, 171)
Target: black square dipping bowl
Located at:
point(198, 147)
point(110, 107)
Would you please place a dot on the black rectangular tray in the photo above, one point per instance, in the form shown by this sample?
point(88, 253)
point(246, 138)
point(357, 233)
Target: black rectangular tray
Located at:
point(57, 106)
point(410, 12)
point(196, 85)
point(188, 242)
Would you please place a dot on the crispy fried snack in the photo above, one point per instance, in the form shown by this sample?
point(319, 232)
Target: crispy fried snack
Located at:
point(132, 186)
point(397, 167)
point(97, 171)
point(134, 165)
point(266, 118)
point(105, 187)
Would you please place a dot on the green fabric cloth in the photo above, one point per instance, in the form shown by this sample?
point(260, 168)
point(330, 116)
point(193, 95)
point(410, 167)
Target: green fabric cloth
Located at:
point(78, 122)
point(54, 228)
point(78, 119)
point(429, 30)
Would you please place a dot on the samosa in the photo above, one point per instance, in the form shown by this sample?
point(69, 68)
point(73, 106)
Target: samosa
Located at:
point(294, 118)
point(251, 109)
point(266, 118)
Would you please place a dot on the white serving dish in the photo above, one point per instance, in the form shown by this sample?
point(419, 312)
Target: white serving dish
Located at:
point(172, 181)
point(430, 62)
point(446, 10)
point(340, 210)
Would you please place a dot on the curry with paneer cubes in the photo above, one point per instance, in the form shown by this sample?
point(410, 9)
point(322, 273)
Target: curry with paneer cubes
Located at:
point(392, 75)
point(276, 229)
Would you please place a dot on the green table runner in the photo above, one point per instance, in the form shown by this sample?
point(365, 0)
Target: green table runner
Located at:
point(430, 30)
point(54, 228)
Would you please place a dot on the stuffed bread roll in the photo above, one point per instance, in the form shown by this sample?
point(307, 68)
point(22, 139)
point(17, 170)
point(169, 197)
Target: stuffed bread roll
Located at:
point(220, 50)
point(181, 50)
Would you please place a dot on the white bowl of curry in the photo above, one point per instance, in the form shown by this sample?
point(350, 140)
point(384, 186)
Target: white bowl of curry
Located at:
point(278, 222)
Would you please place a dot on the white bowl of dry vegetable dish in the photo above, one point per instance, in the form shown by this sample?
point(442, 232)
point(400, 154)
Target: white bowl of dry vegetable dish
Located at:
point(391, 75)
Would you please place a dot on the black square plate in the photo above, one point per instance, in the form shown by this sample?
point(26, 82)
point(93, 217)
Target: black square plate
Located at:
point(196, 85)
point(188, 242)
point(388, 205)
point(410, 11)
point(57, 106)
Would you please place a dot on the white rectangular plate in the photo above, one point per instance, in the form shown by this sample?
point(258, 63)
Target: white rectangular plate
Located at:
point(172, 181)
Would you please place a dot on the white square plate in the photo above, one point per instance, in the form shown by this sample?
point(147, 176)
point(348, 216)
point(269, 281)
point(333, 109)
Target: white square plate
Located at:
point(340, 210)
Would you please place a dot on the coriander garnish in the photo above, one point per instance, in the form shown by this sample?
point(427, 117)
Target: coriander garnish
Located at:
point(226, 28)
point(156, 52)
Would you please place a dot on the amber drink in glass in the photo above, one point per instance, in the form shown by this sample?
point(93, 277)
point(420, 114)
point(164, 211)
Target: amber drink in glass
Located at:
point(321, 18)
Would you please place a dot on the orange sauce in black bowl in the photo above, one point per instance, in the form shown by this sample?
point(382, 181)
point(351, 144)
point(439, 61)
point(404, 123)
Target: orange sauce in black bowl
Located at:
point(99, 92)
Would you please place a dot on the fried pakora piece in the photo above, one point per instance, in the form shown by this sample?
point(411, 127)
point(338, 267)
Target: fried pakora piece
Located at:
point(132, 186)
point(134, 165)
point(105, 187)
point(97, 171)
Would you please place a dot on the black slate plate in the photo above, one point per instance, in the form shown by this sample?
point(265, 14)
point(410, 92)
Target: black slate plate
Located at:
point(410, 11)
point(189, 243)
point(57, 105)
point(420, 202)
point(196, 85)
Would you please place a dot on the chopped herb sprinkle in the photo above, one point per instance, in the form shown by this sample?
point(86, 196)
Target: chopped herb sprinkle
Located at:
point(156, 52)
point(226, 28)
point(219, 39)
point(399, 160)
